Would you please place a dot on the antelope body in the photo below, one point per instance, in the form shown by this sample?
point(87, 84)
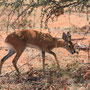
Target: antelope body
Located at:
point(19, 40)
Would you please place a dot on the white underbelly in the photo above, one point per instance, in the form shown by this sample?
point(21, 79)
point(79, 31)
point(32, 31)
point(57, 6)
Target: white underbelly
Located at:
point(33, 46)
point(10, 47)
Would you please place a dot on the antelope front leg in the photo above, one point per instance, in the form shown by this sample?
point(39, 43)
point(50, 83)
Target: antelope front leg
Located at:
point(43, 58)
point(51, 52)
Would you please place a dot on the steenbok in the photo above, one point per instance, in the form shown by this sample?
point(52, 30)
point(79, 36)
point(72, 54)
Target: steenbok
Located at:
point(19, 40)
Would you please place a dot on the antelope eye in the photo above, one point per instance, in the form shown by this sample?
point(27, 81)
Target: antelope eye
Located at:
point(69, 46)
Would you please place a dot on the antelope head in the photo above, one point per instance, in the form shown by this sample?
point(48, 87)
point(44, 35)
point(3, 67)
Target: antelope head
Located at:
point(68, 43)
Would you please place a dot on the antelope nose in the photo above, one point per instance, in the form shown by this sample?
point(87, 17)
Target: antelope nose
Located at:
point(74, 51)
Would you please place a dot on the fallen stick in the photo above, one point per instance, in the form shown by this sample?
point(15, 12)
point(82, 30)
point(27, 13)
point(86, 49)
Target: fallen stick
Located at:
point(84, 48)
point(79, 39)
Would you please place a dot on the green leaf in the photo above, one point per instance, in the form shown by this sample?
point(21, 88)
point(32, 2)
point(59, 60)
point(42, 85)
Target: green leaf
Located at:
point(2, 3)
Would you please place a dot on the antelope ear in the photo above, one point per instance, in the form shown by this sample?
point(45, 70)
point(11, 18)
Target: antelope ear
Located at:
point(68, 36)
point(64, 36)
